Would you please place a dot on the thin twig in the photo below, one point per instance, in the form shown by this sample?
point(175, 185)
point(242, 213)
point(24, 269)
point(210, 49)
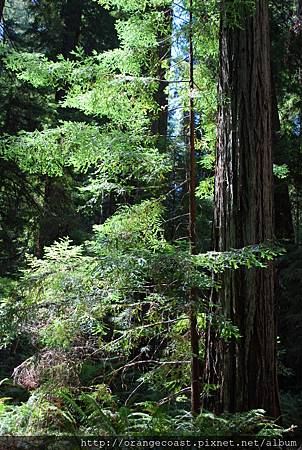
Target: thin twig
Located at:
point(175, 394)
point(148, 361)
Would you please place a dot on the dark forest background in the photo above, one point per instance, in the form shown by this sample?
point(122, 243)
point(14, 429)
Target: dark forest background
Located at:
point(151, 224)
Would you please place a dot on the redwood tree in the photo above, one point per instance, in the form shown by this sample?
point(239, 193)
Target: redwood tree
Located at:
point(245, 367)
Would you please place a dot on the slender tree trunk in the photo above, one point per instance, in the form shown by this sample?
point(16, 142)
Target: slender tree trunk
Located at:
point(244, 368)
point(195, 363)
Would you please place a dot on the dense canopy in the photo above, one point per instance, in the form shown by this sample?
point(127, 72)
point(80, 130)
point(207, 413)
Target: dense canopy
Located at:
point(150, 205)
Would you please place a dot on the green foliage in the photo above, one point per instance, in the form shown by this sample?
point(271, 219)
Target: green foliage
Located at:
point(237, 11)
point(119, 158)
point(281, 171)
point(37, 69)
point(9, 317)
point(250, 256)
point(108, 319)
point(254, 422)
point(65, 412)
point(291, 404)
point(125, 103)
point(205, 188)
point(134, 5)
point(134, 228)
point(132, 275)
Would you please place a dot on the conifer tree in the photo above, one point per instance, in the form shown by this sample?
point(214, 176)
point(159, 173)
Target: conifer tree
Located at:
point(245, 368)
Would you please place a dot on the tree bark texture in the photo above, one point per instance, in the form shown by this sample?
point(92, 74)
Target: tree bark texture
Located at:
point(244, 368)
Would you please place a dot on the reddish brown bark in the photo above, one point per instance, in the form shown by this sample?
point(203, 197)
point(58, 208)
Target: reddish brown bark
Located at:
point(245, 369)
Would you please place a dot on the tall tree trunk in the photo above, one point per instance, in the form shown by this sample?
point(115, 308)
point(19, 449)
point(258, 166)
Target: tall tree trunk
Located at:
point(244, 368)
point(194, 337)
